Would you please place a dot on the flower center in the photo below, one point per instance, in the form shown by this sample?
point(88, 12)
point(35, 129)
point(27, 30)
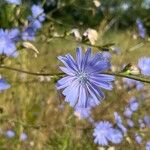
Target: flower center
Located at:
point(82, 77)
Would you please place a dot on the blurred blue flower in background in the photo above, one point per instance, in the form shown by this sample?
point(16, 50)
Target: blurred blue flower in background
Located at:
point(116, 50)
point(119, 123)
point(14, 34)
point(133, 103)
point(16, 2)
point(104, 132)
point(144, 65)
point(82, 113)
point(38, 16)
point(128, 113)
point(10, 133)
point(28, 34)
point(7, 42)
point(35, 23)
point(4, 85)
point(130, 123)
point(141, 28)
point(23, 136)
point(141, 123)
point(138, 138)
point(148, 145)
point(130, 84)
point(106, 55)
point(84, 77)
point(147, 120)
point(37, 11)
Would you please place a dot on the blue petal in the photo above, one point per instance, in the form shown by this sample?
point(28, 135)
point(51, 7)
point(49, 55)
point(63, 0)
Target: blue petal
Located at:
point(67, 71)
point(115, 136)
point(103, 84)
point(71, 93)
point(79, 57)
point(102, 77)
point(95, 59)
point(82, 97)
point(64, 82)
point(67, 63)
point(86, 58)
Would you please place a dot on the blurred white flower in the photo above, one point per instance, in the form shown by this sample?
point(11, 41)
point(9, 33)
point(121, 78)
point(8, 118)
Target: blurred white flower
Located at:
point(134, 70)
point(97, 3)
point(29, 45)
point(111, 148)
point(76, 33)
point(92, 35)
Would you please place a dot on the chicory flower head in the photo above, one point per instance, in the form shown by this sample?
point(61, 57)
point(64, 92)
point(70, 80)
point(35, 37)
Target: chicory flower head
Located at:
point(4, 85)
point(128, 112)
point(148, 145)
point(10, 133)
point(82, 113)
point(23, 136)
point(28, 34)
point(104, 132)
point(133, 103)
point(130, 123)
point(38, 16)
point(84, 78)
point(7, 42)
point(37, 11)
point(143, 64)
point(130, 83)
point(147, 120)
point(16, 2)
point(141, 123)
point(119, 123)
point(138, 138)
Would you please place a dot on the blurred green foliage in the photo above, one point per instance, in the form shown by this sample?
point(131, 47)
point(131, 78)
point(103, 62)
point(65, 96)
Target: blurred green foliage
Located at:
point(78, 13)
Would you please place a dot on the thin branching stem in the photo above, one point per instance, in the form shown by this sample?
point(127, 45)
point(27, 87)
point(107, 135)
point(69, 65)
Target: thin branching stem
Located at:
point(122, 75)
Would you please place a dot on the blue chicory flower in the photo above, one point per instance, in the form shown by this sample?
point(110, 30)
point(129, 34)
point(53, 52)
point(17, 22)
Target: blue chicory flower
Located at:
point(119, 123)
point(10, 134)
point(7, 42)
point(130, 84)
point(141, 28)
point(16, 2)
point(4, 85)
point(133, 103)
point(128, 112)
point(104, 132)
point(116, 50)
point(14, 34)
point(130, 123)
point(35, 23)
point(82, 113)
point(138, 138)
point(38, 16)
point(37, 11)
point(148, 145)
point(23, 136)
point(141, 123)
point(28, 34)
point(106, 55)
point(84, 78)
point(147, 120)
point(143, 64)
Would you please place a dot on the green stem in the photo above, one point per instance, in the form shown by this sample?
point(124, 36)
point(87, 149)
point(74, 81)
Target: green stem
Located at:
point(137, 78)
point(146, 80)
